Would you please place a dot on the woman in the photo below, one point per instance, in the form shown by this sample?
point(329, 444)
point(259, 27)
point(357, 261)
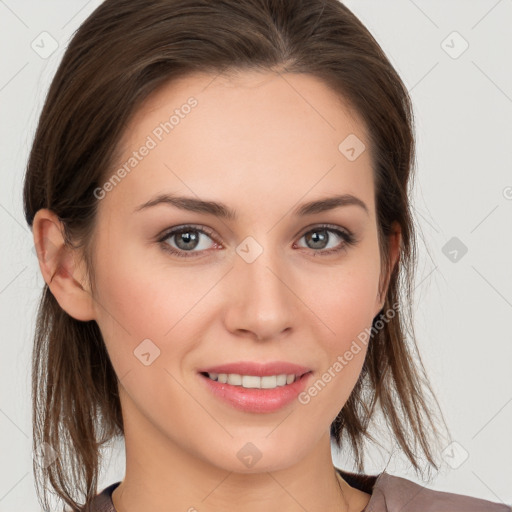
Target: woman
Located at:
point(218, 193)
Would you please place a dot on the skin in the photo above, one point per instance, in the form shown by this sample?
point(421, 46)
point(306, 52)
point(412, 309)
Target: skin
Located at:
point(262, 144)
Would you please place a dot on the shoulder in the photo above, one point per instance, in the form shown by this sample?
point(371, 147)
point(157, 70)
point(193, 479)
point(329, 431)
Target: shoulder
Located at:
point(393, 493)
point(389, 493)
point(102, 502)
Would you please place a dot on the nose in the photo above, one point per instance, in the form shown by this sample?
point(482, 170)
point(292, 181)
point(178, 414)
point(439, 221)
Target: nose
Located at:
point(262, 303)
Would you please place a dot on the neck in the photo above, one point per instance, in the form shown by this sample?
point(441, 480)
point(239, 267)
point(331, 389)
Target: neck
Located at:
point(162, 474)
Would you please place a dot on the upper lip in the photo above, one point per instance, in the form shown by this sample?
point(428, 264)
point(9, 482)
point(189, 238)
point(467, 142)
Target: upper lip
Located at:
point(258, 369)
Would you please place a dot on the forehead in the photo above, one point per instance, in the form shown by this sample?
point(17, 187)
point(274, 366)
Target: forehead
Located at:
point(258, 132)
point(252, 100)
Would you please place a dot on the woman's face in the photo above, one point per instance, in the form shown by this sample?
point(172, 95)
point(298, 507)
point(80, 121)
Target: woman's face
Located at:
point(259, 286)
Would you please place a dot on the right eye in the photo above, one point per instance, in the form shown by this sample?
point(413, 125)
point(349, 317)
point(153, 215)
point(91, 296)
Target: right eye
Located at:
point(186, 239)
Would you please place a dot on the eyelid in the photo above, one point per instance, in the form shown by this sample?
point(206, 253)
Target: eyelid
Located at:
point(347, 236)
point(321, 225)
point(166, 233)
point(210, 232)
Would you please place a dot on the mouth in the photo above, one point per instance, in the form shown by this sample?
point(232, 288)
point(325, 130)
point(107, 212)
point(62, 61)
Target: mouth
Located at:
point(255, 393)
point(255, 381)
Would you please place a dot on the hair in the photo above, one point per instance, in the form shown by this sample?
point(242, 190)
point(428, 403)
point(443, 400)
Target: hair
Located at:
point(123, 52)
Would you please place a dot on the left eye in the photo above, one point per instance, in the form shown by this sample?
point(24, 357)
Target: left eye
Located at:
point(320, 238)
point(188, 238)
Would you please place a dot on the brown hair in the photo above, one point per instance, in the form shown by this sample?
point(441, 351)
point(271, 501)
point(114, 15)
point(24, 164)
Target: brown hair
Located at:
point(121, 54)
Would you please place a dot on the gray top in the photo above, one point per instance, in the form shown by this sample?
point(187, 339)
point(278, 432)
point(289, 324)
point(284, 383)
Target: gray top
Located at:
point(389, 493)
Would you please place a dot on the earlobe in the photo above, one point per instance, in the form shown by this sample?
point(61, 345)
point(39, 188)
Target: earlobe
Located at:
point(60, 268)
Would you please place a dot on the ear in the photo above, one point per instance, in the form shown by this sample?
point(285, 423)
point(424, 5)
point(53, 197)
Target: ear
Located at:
point(60, 266)
point(394, 242)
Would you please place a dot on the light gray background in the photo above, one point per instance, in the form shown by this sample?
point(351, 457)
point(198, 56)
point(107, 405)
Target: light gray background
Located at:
point(463, 107)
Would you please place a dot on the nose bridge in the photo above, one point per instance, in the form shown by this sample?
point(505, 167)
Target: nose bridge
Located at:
point(263, 303)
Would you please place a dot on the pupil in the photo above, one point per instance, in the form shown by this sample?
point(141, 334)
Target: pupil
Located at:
point(188, 237)
point(319, 237)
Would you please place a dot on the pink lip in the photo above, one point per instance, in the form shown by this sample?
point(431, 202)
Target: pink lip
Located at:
point(255, 399)
point(258, 369)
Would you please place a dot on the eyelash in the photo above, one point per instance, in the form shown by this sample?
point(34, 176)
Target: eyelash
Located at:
point(347, 237)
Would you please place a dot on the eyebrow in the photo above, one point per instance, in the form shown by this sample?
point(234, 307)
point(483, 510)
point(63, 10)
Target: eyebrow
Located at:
point(224, 212)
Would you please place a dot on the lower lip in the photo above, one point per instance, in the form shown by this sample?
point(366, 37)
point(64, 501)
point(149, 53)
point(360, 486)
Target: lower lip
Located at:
point(255, 399)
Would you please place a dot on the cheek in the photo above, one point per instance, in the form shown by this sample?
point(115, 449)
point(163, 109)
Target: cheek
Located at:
point(140, 299)
point(350, 305)
point(345, 298)
point(348, 312)
point(345, 301)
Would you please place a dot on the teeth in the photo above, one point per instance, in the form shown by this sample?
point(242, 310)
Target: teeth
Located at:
point(252, 381)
